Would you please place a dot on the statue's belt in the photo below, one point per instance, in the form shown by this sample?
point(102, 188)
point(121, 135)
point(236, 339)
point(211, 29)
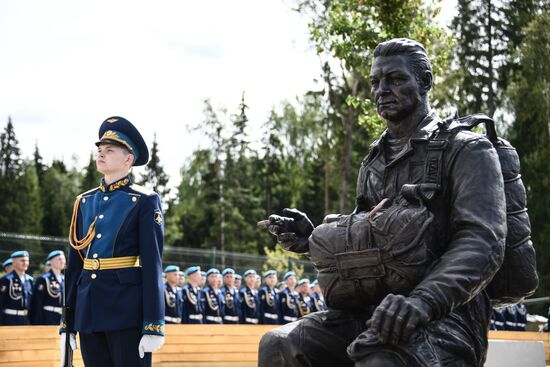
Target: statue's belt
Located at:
point(111, 263)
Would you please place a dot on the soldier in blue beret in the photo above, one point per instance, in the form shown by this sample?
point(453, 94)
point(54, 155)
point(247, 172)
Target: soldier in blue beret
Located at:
point(269, 299)
point(521, 317)
point(173, 301)
point(304, 301)
point(192, 309)
point(16, 292)
point(47, 299)
point(211, 299)
point(7, 266)
point(288, 300)
point(317, 298)
point(114, 286)
point(232, 307)
point(181, 280)
point(250, 302)
point(238, 281)
point(202, 282)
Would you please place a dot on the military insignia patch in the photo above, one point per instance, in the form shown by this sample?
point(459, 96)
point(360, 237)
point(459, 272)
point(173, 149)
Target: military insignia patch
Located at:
point(112, 120)
point(158, 217)
point(41, 287)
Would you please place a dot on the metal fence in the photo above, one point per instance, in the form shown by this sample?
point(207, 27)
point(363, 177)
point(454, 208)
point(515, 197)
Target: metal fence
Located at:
point(40, 246)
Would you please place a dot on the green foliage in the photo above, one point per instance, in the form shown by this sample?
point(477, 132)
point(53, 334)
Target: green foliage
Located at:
point(91, 177)
point(529, 93)
point(154, 176)
point(29, 201)
point(281, 261)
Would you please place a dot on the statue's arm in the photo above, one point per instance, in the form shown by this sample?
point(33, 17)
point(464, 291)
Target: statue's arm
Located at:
point(478, 230)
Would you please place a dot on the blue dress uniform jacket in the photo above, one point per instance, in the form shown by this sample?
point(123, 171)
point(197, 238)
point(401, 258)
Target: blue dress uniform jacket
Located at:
point(250, 306)
point(304, 305)
point(212, 304)
point(232, 305)
point(521, 317)
point(173, 304)
point(288, 306)
point(15, 299)
point(269, 307)
point(510, 318)
point(317, 303)
point(192, 308)
point(47, 300)
point(129, 224)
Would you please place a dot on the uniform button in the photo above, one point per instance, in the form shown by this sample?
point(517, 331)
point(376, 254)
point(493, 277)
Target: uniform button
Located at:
point(83, 200)
point(94, 276)
point(101, 216)
point(98, 235)
point(105, 198)
point(134, 199)
point(94, 256)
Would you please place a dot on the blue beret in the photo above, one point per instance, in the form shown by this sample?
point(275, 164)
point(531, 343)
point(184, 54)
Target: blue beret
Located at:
point(171, 268)
point(270, 272)
point(288, 274)
point(303, 281)
point(212, 271)
point(192, 269)
point(7, 262)
point(181, 273)
point(248, 272)
point(53, 254)
point(47, 263)
point(203, 273)
point(237, 276)
point(315, 282)
point(120, 131)
point(227, 271)
point(19, 254)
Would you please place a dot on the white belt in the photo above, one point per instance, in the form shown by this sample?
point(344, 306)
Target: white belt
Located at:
point(9, 311)
point(499, 323)
point(289, 318)
point(195, 316)
point(214, 318)
point(271, 316)
point(175, 320)
point(231, 318)
point(251, 320)
point(58, 310)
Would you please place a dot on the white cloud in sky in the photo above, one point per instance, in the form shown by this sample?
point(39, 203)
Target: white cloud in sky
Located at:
point(66, 65)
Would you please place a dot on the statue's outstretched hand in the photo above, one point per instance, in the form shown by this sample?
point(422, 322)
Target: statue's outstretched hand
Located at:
point(397, 317)
point(292, 229)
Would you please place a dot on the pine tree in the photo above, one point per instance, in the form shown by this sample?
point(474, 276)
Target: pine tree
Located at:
point(154, 176)
point(58, 194)
point(38, 163)
point(530, 102)
point(29, 201)
point(91, 177)
point(10, 171)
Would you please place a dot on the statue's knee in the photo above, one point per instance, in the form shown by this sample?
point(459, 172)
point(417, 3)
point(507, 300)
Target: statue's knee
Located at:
point(380, 360)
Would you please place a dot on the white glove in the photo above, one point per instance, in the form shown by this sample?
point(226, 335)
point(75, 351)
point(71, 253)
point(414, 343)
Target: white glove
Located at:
point(149, 343)
point(72, 343)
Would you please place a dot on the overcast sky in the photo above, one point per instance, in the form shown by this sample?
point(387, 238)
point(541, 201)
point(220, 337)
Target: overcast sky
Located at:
point(67, 65)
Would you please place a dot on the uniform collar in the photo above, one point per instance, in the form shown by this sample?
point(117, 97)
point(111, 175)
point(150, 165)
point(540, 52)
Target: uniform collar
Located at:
point(125, 181)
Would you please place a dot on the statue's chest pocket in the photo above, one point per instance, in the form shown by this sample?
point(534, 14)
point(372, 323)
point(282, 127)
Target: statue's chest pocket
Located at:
point(416, 172)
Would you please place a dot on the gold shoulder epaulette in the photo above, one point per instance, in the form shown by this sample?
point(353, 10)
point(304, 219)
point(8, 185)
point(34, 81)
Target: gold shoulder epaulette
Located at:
point(88, 192)
point(142, 189)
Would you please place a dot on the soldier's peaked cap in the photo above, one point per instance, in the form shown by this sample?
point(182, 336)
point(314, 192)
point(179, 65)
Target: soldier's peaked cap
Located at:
point(117, 130)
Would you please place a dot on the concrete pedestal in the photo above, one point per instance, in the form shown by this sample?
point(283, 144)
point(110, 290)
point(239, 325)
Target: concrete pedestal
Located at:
point(507, 353)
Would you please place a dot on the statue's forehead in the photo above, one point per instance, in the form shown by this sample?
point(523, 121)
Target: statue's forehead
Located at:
point(389, 64)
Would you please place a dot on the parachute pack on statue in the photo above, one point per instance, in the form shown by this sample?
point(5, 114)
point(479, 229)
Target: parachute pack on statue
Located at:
point(517, 277)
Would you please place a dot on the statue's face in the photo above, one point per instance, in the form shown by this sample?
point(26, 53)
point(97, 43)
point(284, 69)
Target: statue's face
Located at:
point(394, 88)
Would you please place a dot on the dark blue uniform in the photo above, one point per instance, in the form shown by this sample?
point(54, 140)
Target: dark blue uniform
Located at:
point(269, 308)
point(497, 319)
point(317, 303)
point(213, 305)
point(232, 306)
point(250, 306)
point(15, 299)
point(510, 318)
point(173, 304)
point(47, 299)
point(304, 305)
point(521, 317)
point(192, 310)
point(288, 306)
